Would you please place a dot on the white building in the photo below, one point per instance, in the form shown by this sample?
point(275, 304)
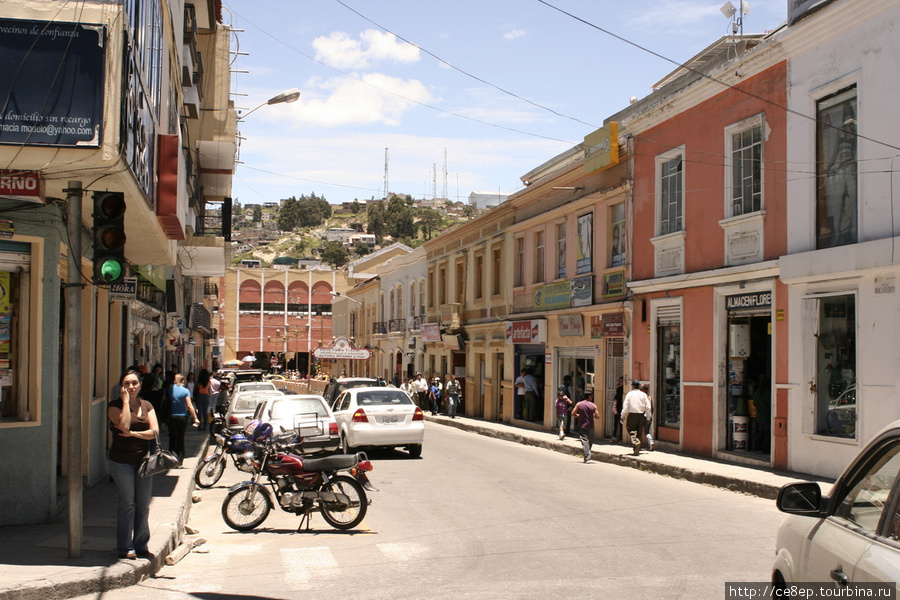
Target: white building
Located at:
point(843, 248)
point(482, 200)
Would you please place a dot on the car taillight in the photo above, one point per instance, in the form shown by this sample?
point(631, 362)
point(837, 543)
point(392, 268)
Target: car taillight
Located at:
point(419, 415)
point(232, 420)
point(332, 429)
point(360, 416)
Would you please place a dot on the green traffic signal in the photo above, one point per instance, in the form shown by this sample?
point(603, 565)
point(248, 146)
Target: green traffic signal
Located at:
point(110, 270)
point(109, 237)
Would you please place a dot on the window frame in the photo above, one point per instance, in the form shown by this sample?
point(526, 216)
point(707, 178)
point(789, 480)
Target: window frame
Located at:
point(661, 161)
point(539, 256)
point(731, 131)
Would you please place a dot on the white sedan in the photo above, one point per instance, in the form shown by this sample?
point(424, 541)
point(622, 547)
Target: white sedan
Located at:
point(851, 535)
point(379, 416)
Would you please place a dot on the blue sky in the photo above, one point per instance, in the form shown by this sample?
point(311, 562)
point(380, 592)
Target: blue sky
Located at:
point(527, 82)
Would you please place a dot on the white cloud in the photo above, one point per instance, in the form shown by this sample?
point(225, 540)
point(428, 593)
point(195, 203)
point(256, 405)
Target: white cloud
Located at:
point(341, 101)
point(515, 34)
point(343, 52)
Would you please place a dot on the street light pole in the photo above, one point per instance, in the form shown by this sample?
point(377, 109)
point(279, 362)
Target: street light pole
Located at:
point(285, 97)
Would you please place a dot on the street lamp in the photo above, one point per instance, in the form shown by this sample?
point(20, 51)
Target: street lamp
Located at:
point(340, 296)
point(285, 97)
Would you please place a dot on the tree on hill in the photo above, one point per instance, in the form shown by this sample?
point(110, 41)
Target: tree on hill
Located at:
point(313, 211)
point(289, 215)
point(375, 220)
point(355, 207)
point(334, 254)
point(398, 219)
point(257, 213)
point(430, 221)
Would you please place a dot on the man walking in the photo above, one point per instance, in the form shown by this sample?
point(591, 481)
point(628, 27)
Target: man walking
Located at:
point(453, 395)
point(584, 414)
point(420, 385)
point(636, 409)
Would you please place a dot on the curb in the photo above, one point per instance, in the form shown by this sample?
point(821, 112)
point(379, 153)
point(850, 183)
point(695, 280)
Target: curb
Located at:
point(731, 483)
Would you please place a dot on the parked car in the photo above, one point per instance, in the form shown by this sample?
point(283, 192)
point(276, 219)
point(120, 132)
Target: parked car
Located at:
point(254, 386)
point(242, 406)
point(849, 535)
point(307, 414)
point(379, 416)
point(334, 387)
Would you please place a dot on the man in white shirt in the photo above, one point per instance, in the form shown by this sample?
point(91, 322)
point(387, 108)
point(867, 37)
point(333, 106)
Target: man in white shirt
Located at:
point(420, 385)
point(636, 409)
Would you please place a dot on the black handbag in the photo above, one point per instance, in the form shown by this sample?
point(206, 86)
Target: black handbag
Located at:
point(159, 461)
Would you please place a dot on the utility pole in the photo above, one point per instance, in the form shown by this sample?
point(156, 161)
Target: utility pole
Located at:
point(73, 366)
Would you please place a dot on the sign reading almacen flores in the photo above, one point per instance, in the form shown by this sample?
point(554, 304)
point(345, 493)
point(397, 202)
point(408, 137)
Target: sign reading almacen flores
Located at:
point(749, 301)
point(51, 83)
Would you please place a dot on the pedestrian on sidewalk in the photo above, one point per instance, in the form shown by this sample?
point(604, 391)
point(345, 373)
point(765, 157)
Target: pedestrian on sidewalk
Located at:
point(563, 402)
point(617, 411)
point(635, 410)
point(520, 394)
point(135, 425)
point(203, 390)
point(422, 388)
point(454, 393)
point(649, 424)
point(434, 396)
point(532, 397)
point(182, 408)
point(584, 414)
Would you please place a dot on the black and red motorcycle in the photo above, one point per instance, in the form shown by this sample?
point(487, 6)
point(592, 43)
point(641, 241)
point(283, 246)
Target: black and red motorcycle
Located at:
point(333, 485)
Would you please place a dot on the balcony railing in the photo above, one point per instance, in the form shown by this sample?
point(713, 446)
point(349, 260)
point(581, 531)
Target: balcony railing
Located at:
point(415, 323)
point(379, 327)
point(211, 290)
point(397, 325)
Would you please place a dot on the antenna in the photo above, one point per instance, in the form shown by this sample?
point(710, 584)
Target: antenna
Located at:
point(387, 186)
point(737, 17)
point(446, 192)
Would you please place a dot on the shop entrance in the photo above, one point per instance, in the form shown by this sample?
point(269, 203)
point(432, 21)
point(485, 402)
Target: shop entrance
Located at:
point(614, 373)
point(748, 398)
point(530, 358)
point(575, 371)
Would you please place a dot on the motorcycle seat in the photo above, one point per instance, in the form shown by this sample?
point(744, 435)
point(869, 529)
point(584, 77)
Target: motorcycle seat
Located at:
point(330, 463)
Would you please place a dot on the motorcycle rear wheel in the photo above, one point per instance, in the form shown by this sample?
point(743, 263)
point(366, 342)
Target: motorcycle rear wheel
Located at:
point(345, 516)
point(245, 508)
point(210, 471)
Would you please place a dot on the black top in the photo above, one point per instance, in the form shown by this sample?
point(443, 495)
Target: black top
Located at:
point(130, 450)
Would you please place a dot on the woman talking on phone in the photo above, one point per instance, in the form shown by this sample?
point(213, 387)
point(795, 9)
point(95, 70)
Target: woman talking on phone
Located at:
point(134, 426)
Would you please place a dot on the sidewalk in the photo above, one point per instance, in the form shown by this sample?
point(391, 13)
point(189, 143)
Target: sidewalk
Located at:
point(34, 561)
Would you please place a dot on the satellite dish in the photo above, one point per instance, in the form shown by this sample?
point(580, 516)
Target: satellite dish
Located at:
point(728, 10)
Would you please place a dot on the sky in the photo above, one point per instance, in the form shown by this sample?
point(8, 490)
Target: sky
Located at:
point(485, 90)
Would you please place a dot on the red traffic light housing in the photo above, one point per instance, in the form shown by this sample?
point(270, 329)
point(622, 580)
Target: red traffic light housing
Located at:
point(109, 237)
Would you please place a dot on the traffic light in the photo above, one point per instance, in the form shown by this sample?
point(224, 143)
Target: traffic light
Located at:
point(109, 237)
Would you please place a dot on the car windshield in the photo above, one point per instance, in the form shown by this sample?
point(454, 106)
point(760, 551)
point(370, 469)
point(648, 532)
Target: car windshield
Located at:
point(347, 385)
point(382, 397)
point(248, 402)
point(285, 409)
point(251, 387)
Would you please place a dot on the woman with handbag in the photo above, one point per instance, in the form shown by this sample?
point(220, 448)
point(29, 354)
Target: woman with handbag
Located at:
point(134, 425)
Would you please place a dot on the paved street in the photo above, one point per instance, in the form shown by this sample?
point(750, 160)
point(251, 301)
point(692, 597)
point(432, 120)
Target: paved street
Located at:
point(482, 518)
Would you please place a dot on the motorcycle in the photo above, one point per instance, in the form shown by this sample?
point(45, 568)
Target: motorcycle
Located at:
point(299, 485)
point(227, 444)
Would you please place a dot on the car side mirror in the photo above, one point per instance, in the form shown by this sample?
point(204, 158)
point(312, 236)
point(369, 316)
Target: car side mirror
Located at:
point(801, 499)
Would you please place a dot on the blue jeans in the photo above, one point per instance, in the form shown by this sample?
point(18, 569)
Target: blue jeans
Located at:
point(586, 434)
point(133, 522)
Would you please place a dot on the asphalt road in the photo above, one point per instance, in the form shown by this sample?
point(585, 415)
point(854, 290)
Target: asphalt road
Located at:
point(477, 517)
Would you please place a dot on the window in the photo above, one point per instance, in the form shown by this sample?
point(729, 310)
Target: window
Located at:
point(400, 314)
point(671, 193)
point(561, 250)
point(668, 331)
point(745, 172)
point(520, 262)
point(617, 235)
point(442, 285)
point(478, 275)
point(430, 289)
point(539, 257)
point(836, 366)
point(15, 316)
point(585, 261)
point(497, 273)
point(836, 196)
point(461, 281)
point(867, 493)
point(391, 308)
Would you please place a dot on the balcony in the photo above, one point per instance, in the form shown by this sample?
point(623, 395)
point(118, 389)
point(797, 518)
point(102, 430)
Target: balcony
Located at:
point(397, 325)
point(379, 327)
point(415, 323)
point(211, 290)
point(451, 316)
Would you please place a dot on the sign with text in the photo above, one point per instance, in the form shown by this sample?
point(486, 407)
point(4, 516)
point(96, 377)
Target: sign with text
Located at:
point(526, 332)
point(583, 291)
point(342, 349)
point(614, 325)
point(52, 75)
point(21, 185)
point(749, 301)
point(570, 325)
point(613, 284)
point(431, 332)
point(553, 296)
point(124, 291)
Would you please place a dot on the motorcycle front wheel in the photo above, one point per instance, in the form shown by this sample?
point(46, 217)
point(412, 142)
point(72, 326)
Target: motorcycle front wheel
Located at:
point(245, 508)
point(350, 509)
point(210, 471)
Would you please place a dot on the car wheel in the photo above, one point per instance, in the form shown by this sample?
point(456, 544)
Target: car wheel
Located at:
point(346, 448)
point(415, 450)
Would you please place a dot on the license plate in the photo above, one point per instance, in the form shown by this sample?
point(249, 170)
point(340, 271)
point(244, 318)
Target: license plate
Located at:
point(390, 420)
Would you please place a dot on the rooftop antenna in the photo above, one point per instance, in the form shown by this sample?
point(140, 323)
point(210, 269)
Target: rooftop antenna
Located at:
point(386, 182)
point(737, 17)
point(445, 192)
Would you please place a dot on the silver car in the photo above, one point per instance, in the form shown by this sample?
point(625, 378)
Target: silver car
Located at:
point(307, 414)
point(379, 416)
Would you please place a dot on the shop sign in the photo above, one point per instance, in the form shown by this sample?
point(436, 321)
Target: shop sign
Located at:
point(7, 229)
point(570, 325)
point(553, 296)
point(65, 109)
point(21, 185)
point(614, 325)
point(596, 328)
point(613, 284)
point(431, 332)
point(125, 291)
point(749, 301)
point(526, 332)
point(601, 148)
point(342, 349)
point(583, 291)
point(453, 342)
point(885, 285)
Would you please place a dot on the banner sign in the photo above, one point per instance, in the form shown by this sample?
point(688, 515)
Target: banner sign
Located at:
point(749, 301)
point(342, 349)
point(553, 296)
point(431, 332)
point(52, 75)
point(21, 185)
point(526, 332)
point(570, 325)
point(125, 291)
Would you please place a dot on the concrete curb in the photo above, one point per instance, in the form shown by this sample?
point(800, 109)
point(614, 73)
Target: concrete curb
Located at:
point(641, 463)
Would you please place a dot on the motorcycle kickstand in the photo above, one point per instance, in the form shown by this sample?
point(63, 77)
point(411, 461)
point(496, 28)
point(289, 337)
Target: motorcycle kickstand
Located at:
point(306, 518)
